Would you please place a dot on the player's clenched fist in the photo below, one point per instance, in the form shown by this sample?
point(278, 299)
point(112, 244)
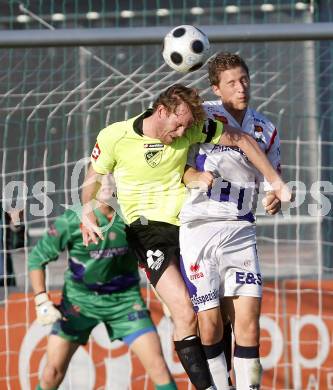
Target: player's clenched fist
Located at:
point(271, 203)
point(46, 312)
point(196, 179)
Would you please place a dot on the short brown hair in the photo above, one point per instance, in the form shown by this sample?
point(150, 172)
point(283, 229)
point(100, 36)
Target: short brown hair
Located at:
point(172, 97)
point(224, 61)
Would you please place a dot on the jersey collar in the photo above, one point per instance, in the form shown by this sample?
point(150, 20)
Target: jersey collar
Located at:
point(232, 121)
point(138, 123)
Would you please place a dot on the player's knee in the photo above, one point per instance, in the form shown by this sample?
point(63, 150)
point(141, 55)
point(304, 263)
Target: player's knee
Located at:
point(211, 326)
point(185, 316)
point(52, 375)
point(210, 331)
point(158, 370)
point(248, 332)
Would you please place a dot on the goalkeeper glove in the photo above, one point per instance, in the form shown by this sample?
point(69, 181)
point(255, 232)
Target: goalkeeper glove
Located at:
point(46, 312)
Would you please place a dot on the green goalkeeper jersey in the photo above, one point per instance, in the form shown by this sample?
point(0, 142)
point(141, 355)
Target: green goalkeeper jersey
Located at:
point(105, 267)
point(148, 173)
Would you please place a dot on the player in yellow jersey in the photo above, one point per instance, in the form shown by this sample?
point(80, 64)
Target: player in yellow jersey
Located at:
point(147, 156)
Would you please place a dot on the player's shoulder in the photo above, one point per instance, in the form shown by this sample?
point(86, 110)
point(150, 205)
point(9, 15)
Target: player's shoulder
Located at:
point(73, 214)
point(116, 130)
point(212, 106)
point(214, 110)
point(65, 222)
point(262, 123)
point(212, 103)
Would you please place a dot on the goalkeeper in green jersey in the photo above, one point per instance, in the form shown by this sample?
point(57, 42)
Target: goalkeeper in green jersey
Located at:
point(101, 285)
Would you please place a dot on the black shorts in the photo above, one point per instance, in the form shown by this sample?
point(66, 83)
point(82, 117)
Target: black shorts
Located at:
point(154, 244)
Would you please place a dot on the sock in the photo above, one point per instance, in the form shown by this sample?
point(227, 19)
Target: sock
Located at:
point(168, 386)
point(217, 365)
point(40, 388)
point(193, 359)
point(247, 367)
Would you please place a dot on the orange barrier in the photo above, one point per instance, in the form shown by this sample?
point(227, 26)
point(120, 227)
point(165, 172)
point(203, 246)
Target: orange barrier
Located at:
point(297, 335)
point(296, 344)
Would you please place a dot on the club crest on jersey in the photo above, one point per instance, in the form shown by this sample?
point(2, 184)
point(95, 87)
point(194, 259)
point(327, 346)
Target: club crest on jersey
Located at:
point(137, 306)
point(112, 236)
point(153, 157)
point(195, 271)
point(52, 231)
point(259, 133)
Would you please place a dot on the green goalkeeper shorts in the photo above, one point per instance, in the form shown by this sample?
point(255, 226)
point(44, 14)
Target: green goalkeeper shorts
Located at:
point(123, 313)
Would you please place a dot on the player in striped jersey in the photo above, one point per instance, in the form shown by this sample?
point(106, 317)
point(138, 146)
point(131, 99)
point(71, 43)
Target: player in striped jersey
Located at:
point(217, 235)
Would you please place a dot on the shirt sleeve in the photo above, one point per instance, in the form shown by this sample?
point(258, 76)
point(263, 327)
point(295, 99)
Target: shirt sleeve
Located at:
point(208, 131)
point(102, 156)
point(192, 154)
point(50, 245)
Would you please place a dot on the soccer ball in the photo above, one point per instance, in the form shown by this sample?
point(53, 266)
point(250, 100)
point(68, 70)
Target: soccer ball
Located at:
point(185, 48)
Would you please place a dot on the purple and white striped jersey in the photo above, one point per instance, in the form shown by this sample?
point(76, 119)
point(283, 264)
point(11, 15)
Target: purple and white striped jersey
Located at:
point(234, 193)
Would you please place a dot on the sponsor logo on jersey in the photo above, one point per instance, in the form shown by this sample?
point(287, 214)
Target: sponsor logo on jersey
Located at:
point(153, 157)
point(53, 232)
point(259, 120)
point(223, 148)
point(155, 259)
point(137, 315)
point(221, 118)
point(195, 271)
point(109, 252)
point(205, 298)
point(248, 278)
point(96, 152)
point(153, 146)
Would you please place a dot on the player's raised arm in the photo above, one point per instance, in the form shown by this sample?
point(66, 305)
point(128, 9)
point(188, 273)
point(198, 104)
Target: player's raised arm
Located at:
point(89, 227)
point(234, 137)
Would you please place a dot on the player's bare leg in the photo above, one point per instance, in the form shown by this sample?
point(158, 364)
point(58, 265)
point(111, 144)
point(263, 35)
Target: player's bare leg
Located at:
point(211, 332)
point(59, 353)
point(172, 290)
point(148, 349)
point(165, 308)
point(244, 313)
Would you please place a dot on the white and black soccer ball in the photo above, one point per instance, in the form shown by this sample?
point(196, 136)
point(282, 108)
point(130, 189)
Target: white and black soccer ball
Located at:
point(185, 48)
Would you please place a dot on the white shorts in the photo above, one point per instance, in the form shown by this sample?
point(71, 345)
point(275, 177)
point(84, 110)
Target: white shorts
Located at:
point(219, 259)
